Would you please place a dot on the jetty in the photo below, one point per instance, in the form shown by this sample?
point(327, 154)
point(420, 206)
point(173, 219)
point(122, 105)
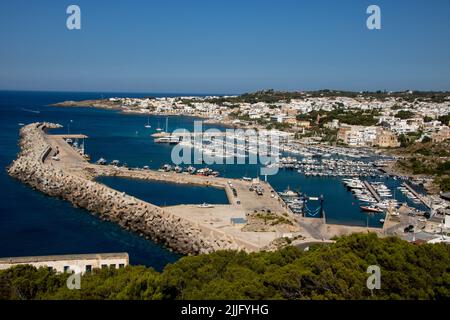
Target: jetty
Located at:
point(372, 191)
point(49, 164)
point(417, 195)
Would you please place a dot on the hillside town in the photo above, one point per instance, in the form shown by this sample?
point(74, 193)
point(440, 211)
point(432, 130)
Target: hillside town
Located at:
point(391, 123)
point(391, 119)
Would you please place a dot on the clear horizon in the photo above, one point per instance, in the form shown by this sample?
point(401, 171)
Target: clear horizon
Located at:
point(200, 47)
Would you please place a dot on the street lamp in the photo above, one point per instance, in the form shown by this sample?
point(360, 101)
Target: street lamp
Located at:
point(68, 127)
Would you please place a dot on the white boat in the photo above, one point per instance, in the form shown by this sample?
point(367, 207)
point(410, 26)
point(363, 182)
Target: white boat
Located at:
point(159, 129)
point(205, 205)
point(168, 139)
point(289, 194)
point(148, 123)
point(101, 161)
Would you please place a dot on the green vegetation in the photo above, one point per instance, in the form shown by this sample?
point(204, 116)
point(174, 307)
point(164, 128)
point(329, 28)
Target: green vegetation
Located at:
point(443, 183)
point(427, 158)
point(272, 218)
point(445, 119)
point(404, 114)
point(335, 271)
point(352, 117)
point(407, 140)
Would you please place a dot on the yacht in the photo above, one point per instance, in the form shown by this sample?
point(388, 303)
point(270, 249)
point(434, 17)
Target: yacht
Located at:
point(371, 209)
point(289, 194)
point(168, 139)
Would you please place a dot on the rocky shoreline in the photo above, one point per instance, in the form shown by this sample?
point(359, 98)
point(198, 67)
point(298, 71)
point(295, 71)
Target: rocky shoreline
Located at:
point(132, 214)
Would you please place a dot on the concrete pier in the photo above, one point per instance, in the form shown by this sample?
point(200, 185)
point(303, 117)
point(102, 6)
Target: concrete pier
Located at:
point(417, 195)
point(372, 191)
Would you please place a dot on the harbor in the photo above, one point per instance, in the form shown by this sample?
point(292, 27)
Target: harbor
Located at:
point(126, 142)
point(206, 224)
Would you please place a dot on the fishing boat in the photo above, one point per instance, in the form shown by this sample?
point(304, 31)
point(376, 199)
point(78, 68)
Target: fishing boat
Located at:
point(191, 170)
point(166, 167)
point(101, 161)
point(115, 163)
point(178, 169)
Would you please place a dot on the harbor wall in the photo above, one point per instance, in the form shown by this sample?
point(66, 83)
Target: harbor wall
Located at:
point(132, 214)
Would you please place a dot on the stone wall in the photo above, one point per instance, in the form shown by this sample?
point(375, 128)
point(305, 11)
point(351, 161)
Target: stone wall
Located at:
point(132, 214)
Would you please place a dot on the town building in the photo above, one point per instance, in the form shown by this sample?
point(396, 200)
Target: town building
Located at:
point(386, 139)
point(442, 135)
point(73, 262)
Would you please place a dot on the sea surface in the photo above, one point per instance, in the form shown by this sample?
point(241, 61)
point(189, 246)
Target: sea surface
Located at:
point(32, 223)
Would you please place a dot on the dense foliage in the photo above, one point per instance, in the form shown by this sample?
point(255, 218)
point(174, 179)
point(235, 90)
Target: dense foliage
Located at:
point(335, 271)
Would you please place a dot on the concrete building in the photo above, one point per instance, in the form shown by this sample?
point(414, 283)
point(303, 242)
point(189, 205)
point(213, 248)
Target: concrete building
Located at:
point(357, 136)
point(74, 262)
point(386, 139)
point(441, 135)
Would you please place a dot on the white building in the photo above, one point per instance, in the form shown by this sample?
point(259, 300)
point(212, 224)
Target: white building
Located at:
point(73, 262)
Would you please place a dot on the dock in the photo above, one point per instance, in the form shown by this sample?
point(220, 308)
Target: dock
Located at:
point(69, 136)
point(417, 195)
point(372, 191)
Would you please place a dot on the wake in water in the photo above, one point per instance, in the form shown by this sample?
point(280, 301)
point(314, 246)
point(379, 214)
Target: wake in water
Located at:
point(32, 111)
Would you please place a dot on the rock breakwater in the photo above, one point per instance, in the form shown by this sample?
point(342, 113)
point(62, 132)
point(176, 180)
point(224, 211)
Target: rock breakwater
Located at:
point(148, 220)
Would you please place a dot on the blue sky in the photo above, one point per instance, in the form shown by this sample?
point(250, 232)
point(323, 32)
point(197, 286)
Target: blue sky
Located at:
point(227, 46)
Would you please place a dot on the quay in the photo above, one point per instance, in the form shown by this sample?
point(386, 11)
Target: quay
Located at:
point(372, 191)
point(417, 195)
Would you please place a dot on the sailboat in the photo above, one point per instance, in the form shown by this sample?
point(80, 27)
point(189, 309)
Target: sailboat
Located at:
point(158, 129)
point(148, 123)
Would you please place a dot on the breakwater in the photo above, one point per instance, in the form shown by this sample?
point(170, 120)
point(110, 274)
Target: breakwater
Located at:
point(153, 222)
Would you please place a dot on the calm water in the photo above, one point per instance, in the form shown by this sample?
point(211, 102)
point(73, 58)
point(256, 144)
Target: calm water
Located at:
point(166, 194)
point(34, 224)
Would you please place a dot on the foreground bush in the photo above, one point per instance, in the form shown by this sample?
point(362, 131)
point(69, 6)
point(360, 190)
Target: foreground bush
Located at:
point(335, 271)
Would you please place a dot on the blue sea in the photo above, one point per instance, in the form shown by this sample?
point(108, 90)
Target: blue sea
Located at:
point(32, 223)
